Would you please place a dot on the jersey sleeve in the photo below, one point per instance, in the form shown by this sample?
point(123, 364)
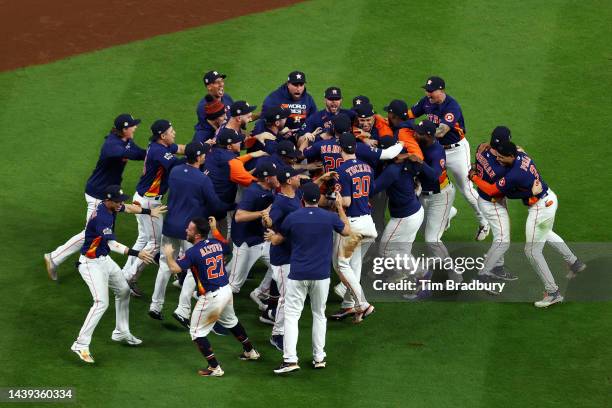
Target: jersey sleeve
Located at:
point(451, 114)
point(337, 223)
point(134, 152)
point(434, 171)
point(277, 212)
point(346, 185)
point(238, 173)
point(212, 199)
point(368, 154)
point(285, 228)
point(311, 123)
point(406, 137)
point(313, 152)
point(106, 231)
point(184, 262)
point(506, 184)
point(385, 179)
point(416, 110)
point(248, 201)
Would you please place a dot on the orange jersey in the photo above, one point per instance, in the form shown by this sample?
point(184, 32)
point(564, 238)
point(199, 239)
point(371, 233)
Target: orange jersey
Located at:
point(406, 137)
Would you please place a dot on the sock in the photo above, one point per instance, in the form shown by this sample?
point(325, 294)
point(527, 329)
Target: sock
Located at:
point(206, 350)
point(240, 334)
point(181, 277)
point(273, 299)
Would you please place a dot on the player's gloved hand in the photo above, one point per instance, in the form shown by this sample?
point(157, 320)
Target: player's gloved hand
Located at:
point(157, 211)
point(147, 256)
point(258, 153)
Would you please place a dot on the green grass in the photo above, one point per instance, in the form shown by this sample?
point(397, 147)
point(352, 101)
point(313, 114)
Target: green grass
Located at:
point(543, 69)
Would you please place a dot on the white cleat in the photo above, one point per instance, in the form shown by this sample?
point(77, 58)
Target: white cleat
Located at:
point(483, 232)
point(549, 299)
point(340, 290)
point(211, 372)
point(83, 353)
point(51, 267)
point(287, 368)
point(127, 338)
point(256, 296)
point(318, 364)
point(249, 355)
point(451, 215)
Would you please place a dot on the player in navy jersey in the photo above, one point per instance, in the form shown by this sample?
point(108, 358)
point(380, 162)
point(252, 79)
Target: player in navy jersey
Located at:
point(100, 272)
point(215, 87)
point(292, 95)
point(117, 149)
point(150, 190)
point(443, 110)
point(215, 117)
point(322, 119)
point(215, 301)
point(268, 133)
point(523, 181)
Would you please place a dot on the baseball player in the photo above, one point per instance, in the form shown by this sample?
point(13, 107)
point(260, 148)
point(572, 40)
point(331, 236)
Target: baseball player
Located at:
point(271, 124)
point(322, 119)
point(310, 232)
point(370, 126)
point(215, 87)
point(522, 180)
point(117, 149)
point(150, 190)
point(292, 95)
point(100, 272)
point(216, 115)
point(191, 194)
point(248, 231)
point(444, 111)
point(401, 125)
point(215, 302)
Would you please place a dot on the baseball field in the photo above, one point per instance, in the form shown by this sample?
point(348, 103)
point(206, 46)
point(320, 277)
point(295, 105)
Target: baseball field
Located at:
point(542, 68)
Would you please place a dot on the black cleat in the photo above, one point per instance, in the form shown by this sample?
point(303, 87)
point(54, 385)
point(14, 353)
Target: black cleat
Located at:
point(184, 322)
point(156, 315)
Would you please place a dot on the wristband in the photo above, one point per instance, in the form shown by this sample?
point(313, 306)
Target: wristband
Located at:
point(145, 211)
point(133, 252)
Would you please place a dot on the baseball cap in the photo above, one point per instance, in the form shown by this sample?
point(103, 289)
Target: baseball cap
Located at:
point(241, 108)
point(286, 173)
point(348, 142)
point(274, 113)
point(426, 127)
point(341, 123)
point(286, 148)
point(507, 148)
point(359, 99)
point(115, 193)
point(296, 77)
point(212, 76)
point(312, 193)
point(398, 107)
point(226, 137)
point(125, 120)
point(434, 83)
point(386, 141)
point(499, 135)
point(333, 93)
point(265, 169)
point(195, 149)
point(364, 110)
point(158, 127)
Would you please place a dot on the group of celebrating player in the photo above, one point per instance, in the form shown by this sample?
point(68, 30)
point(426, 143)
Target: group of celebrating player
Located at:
point(310, 192)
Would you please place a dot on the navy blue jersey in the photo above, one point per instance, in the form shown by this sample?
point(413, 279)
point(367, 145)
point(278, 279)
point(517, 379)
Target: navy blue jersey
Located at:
point(432, 173)
point(191, 194)
point(448, 112)
point(300, 109)
point(205, 133)
point(99, 230)
point(368, 154)
point(398, 180)
point(201, 111)
point(488, 169)
point(114, 155)
point(310, 231)
point(355, 178)
point(159, 161)
point(205, 261)
point(328, 151)
point(323, 119)
point(281, 207)
point(254, 198)
point(519, 179)
point(217, 168)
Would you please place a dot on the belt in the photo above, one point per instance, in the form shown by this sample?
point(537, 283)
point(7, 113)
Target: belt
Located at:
point(443, 186)
point(156, 198)
point(451, 146)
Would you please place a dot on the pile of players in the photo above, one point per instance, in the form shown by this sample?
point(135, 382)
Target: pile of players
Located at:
point(310, 191)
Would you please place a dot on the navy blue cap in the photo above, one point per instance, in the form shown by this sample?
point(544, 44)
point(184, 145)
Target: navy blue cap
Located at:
point(125, 120)
point(195, 149)
point(507, 149)
point(287, 148)
point(426, 127)
point(265, 169)
point(286, 173)
point(275, 113)
point(296, 77)
point(241, 108)
point(212, 76)
point(333, 93)
point(433, 83)
point(115, 193)
point(386, 141)
point(348, 142)
point(397, 107)
point(364, 110)
point(341, 123)
point(499, 135)
point(158, 127)
point(226, 137)
point(312, 193)
point(359, 99)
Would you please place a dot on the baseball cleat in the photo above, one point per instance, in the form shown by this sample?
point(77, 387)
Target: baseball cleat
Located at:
point(318, 364)
point(127, 338)
point(358, 317)
point(249, 355)
point(183, 321)
point(83, 354)
point(51, 267)
point(575, 269)
point(267, 317)
point(483, 232)
point(156, 315)
point(340, 290)
point(499, 272)
point(134, 289)
point(176, 283)
point(487, 279)
point(277, 341)
point(451, 215)
point(257, 296)
point(287, 368)
point(343, 313)
point(211, 372)
point(549, 299)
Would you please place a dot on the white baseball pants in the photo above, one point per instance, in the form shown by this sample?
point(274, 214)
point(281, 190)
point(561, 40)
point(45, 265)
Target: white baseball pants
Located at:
point(437, 208)
point(74, 244)
point(294, 304)
point(399, 234)
point(163, 273)
point(100, 274)
point(243, 259)
point(496, 214)
point(210, 308)
point(281, 275)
